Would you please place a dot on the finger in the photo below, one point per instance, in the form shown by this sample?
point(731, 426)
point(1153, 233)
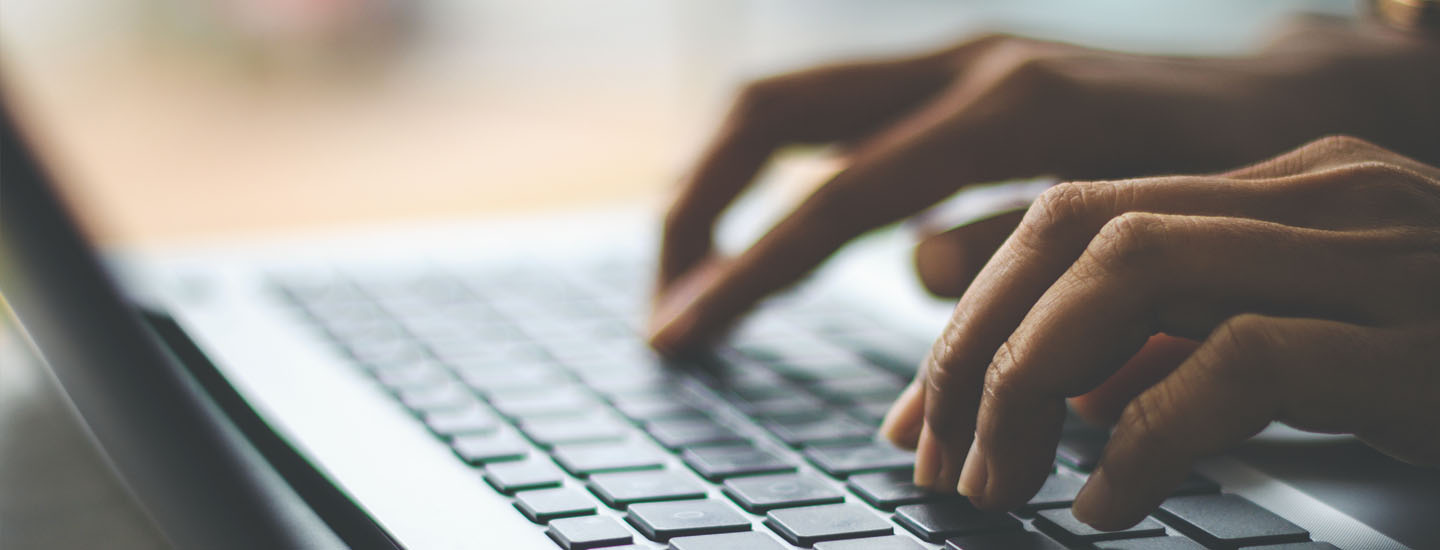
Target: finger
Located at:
point(1327, 154)
point(1160, 356)
point(1148, 273)
point(1061, 223)
point(835, 103)
point(947, 262)
point(1315, 374)
point(906, 417)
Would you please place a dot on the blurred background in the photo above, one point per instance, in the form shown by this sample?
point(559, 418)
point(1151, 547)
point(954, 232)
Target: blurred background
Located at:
point(184, 119)
point(181, 120)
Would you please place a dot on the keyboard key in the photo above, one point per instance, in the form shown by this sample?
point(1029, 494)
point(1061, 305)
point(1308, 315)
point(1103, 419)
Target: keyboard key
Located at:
point(469, 420)
point(1303, 546)
point(512, 378)
point(448, 396)
point(892, 542)
point(536, 473)
point(587, 532)
point(1057, 492)
point(1158, 543)
point(421, 374)
point(951, 517)
point(680, 434)
point(660, 521)
point(809, 525)
point(492, 447)
point(747, 540)
point(877, 387)
point(760, 494)
point(1228, 521)
point(831, 428)
point(583, 460)
point(717, 463)
point(549, 432)
point(527, 405)
point(790, 405)
point(543, 505)
point(1015, 540)
point(1081, 447)
point(645, 409)
point(870, 412)
point(619, 490)
point(886, 490)
point(1062, 525)
point(1196, 484)
point(843, 460)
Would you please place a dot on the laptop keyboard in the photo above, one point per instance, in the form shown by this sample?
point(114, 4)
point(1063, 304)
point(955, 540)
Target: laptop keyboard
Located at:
point(540, 381)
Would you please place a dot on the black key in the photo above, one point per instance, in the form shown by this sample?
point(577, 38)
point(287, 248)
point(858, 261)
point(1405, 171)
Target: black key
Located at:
point(654, 408)
point(809, 525)
point(1057, 492)
point(443, 397)
point(892, 542)
point(583, 460)
point(587, 532)
point(886, 490)
point(759, 494)
point(830, 428)
point(879, 387)
point(1015, 540)
point(622, 489)
point(1062, 525)
point(870, 412)
point(527, 405)
point(660, 521)
point(1303, 546)
point(1228, 521)
point(1080, 447)
point(679, 434)
point(1196, 484)
point(843, 460)
point(951, 517)
point(491, 447)
point(544, 505)
point(748, 540)
point(717, 463)
point(469, 420)
point(536, 473)
point(1158, 543)
point(549, 432)
point(788, 405)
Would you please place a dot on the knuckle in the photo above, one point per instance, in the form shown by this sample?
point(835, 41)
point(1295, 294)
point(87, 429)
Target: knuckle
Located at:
point(1129, 239)
point(1143, 419)
point(1243, 342)
point(1062, 211)
point(1000, 383)
point(1340, 144)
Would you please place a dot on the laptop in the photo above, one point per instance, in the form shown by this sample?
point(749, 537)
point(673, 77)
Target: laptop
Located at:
point(484, 386)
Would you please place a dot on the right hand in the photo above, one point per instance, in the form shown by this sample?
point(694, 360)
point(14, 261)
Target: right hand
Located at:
point(1001, 107)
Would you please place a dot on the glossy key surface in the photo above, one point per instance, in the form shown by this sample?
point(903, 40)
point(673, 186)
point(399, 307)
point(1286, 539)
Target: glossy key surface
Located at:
point(843, 460)
point(759, 494)
point(831, 428)
point(543, 505)
point(1062, 525)
point(717, 463)
point(1015, 540)
point(952, 517)
point(535, 473)
point(811, 524)
point(661, 521)
point(680, 434)
point(491, 447)
point(886, 490)
point(890, 542)
point(748, 540)
point(583, 460)
point(619, 490)
point(1228, 520)
point(1058, 491)
point(583, 533)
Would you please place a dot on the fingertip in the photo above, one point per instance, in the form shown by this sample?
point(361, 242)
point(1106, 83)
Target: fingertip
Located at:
point(927, 459)
point(1096, 504)
point(901, 426)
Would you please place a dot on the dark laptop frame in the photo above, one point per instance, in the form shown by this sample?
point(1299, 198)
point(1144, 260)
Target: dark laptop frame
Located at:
point(202, 464)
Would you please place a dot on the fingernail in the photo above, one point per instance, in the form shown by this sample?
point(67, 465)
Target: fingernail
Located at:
point(926, 459)
point(975, 474)
point(1093, 498)
point(896, 421)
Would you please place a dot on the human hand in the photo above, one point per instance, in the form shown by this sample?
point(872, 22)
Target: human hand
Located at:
point(1311, 281)
point(1001, 107)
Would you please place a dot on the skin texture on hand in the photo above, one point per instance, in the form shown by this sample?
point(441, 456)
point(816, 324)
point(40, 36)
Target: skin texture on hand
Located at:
point(1001, 107)
point(1311, 282)
point(1189, 310)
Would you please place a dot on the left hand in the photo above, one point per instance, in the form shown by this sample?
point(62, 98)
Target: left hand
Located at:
point(1311, 281)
